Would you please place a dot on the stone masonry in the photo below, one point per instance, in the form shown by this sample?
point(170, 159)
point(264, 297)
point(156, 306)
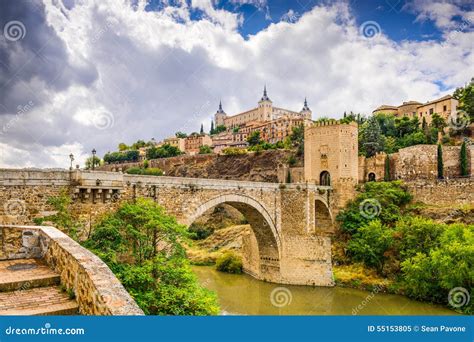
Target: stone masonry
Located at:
point(291, 223)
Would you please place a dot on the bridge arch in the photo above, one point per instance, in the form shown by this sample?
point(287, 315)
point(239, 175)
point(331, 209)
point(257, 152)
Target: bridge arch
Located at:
point(263, 226)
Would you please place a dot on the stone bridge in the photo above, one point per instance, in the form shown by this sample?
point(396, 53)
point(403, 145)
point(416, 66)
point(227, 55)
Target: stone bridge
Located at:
point(291, 223)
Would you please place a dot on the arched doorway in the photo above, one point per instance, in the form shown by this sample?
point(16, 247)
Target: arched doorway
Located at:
point(261, 250)
point(325, 178)
point(322, 217)
point(371, 177)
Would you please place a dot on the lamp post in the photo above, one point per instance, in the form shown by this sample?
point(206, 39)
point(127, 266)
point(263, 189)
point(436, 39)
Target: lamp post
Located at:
point(71, 156)
point(93, 159)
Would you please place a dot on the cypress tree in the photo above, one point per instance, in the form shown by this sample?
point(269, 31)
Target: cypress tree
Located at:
point(463, 160)
point(202, 129)
point(440, 162)
point(212, 127)
point(387, 169)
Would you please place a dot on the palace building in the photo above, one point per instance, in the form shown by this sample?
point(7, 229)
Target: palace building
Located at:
point(264, 112)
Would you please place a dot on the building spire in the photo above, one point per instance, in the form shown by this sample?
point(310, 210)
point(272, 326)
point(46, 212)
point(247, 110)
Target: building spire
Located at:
point(305, 106)
point(220, 110)
point(265, 96)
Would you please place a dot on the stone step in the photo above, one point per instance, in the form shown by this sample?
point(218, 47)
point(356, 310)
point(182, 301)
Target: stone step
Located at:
point(24, 274)
point(39, 301)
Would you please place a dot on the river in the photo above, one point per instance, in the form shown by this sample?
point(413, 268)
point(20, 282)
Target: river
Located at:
point(244, 295)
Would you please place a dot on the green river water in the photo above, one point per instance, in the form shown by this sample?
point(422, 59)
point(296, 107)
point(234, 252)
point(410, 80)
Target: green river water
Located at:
point(244, 295)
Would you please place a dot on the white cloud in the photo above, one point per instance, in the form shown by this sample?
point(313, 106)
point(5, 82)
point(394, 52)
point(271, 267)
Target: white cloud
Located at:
point(160, 72)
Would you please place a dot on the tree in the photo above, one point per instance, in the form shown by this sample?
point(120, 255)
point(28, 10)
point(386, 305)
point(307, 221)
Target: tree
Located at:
point(205, 149)
point(254, 138)
point(202, 129)
point(212, 127)
point(440, 162)
point(465, 96)
point(387, 169)
point(297, 139)
point(372, 139)
point(181, 135)
point(438, 122)
point(93, 162)
point(141, 244)
point(123, 147)
point(424, 125)
point(138, 144)
point(463, 160)
point(370, 243)
point(219, 129)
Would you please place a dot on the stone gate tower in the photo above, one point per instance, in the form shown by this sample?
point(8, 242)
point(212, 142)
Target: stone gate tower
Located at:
point(331, 157)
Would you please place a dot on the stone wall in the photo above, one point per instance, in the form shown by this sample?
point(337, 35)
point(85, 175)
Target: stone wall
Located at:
point(97, 291)
point(421, 162)
point(375, 165)
point(257, 167)
point(442, 192)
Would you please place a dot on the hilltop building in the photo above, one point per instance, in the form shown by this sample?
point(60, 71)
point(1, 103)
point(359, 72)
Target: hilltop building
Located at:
point(264, 112)
point(445, 106)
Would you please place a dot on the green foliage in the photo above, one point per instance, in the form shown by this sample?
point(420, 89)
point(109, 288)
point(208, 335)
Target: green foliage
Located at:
point(121, 157)
point(288, 177)
point(254, 138)
point(62, 219)
point(291, 160)
point(140, 243)
point(440, 162)
point(146, 164)
point(370, 243)
point(123, 147)
point(180, 135)
point(199, 231)
point(151, 171)
point(371, 139)
point(431, 275)
point(297, 139)
point(93, 162)
point(236, 129)
point(415, 234)
point(438, 122)
point(211, 131)
point(205, 149)
point(229, 263)
point(202, 129)
point(164, 151)
point(219, 129)
point(463, 160)
point(387, 200)
point(387, 169)
point(232, 151)
point(465, 96)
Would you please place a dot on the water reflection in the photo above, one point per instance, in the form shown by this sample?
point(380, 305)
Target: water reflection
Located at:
point(243, 295)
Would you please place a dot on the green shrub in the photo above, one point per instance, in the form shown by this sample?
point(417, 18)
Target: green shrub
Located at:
point(199, 232)
point(370, 244)
point(386, 199)
point(229, 263)
point(151, 171)
point(204, 149)
point(231, 151)
point(140, 244)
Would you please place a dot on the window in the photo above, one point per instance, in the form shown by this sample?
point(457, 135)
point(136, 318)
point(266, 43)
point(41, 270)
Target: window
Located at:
point(445, 108)
point(371, 177)
point(431, 111)
point(325, 178)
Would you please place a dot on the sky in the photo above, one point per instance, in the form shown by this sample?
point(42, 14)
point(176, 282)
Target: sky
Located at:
point(80, 74)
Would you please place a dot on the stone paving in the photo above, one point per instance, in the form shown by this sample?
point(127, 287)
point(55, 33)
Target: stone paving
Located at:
point(30, 287)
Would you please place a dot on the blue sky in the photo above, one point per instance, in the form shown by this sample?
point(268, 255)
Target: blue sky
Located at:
point(77, 75)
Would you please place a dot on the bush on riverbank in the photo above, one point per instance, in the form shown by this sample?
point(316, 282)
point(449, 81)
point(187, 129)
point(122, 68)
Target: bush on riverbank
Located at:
point(229, 263)
point(140, 244)
point(425, 258)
